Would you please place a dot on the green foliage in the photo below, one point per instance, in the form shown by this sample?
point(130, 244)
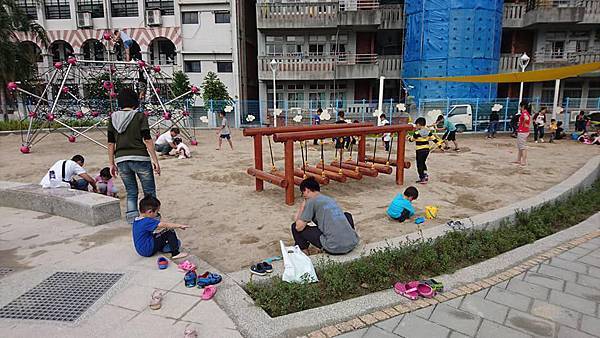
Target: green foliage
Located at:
point(421, 259)
point(95, 90)
point(181, 83)
point(214, 89)
point(16, 125)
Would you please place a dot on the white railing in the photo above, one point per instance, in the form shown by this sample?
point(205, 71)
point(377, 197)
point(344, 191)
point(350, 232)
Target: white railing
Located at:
point(390, 64)
point(568, 57)
point(314, 63)
point(513, 11)
point(392, 17)
point(591, 6)
point(307, 11)
point(353, 5)
point(509, 62)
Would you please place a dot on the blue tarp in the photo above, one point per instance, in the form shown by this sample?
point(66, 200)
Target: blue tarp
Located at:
point(451, 38)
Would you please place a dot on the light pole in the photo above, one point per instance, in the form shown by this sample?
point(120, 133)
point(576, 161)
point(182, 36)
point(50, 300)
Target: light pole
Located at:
point(274, 65)
point(523, 62)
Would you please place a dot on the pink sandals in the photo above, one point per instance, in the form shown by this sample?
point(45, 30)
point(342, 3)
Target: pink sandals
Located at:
point(412, 290)
point(209, 292)
point(186, 266)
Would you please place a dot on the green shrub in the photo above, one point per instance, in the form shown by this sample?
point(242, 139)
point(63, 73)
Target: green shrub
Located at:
point(16, 125)
point(421, 259)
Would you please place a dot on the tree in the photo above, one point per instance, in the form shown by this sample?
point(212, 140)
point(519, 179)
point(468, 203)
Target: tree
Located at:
point(15, 63)
point(180, 84)
point(214, 89)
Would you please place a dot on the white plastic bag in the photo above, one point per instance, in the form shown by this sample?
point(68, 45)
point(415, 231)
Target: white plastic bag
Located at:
point(298, 267)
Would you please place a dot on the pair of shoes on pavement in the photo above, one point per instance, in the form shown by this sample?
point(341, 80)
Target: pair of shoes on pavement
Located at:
point(261, 269)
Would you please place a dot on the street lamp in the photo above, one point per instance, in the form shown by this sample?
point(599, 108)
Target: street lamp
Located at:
point(274, 65)
point(523, 62)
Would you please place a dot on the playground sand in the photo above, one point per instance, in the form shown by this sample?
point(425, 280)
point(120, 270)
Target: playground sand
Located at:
point(234, 226)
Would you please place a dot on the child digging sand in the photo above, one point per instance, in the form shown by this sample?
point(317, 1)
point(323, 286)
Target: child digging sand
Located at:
point(421, 137)
point(146, 242)
point(105, 183)
point(401, 207)
point(224, 132)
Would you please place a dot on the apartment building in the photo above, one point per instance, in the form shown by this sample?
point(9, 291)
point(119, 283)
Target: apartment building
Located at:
point(328, 53)
point(196, 36)
point(554, 34)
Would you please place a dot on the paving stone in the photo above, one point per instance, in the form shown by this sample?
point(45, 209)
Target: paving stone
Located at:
point(589, 245)
point(594, 271)
point(572, 302)
point(578, 251)
point(425, 312)
point(485, 309)
point(455, 334)
point(135, 297)
point(390, 324)
point(481, 293)
point(415, 327)
point(569, 256)
point(565, 264)
point(375, 332)
point(586, 292)
point(509, 298)
point(491, 329)
point(354, 334)
point(502, 285)
point(555, 313)
point(331, 331)
point(217, 318)
point(588, 280)
point(455, 319)
point(454, 302)
point(528, 289)
point(567, 332)
point(543, 280)
point(590, 325)
point(317, 334)
point(530, 324)
point(563, 274)
point(591, 260)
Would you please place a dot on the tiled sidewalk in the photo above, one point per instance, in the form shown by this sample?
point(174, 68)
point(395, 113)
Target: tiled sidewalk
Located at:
point(558, 298)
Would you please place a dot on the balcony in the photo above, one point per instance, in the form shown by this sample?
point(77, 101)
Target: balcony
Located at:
point(509, 63)
point(320, 14)
point(513, 15)
point(320, 67)
point(392, 17)
point(390, 66)
point(519, 15)
point(549, 59)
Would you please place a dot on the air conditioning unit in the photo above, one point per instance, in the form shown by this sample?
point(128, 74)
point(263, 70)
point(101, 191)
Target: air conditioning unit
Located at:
point(153, 17)
point(84, 19)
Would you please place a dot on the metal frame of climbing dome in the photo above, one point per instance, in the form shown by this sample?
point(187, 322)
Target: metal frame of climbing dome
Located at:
point(338, 171)
point(59, 105)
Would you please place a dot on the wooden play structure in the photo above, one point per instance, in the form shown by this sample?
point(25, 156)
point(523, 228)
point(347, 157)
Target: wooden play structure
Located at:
point(338, 170)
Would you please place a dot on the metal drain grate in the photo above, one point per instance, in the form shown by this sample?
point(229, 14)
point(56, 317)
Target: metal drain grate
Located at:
point(5, 271)
point(64, 296)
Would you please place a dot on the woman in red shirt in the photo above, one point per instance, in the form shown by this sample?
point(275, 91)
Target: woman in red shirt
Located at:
point(523, 133)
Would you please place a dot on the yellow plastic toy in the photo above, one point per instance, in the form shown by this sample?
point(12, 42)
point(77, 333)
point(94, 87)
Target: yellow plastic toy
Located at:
point(431, 211)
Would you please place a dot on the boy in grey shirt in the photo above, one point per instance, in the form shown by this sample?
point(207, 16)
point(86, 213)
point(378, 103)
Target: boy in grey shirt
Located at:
point(334, 230)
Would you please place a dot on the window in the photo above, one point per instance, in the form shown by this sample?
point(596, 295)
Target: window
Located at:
point(222, 17)
point(167, 7)
point(316, 49)
point(581, 46)
point(162, 52)
point(96, 7)
point(124, 8)
point(57, 9)
point(274, 49)
point(192, 66)
point(594, 95)
point(224, 66)
point(29, 7)
point(189, 18)
point(93, 50)
point(573, 90)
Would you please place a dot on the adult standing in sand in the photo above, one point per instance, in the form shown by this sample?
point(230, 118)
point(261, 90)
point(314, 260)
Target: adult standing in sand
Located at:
point(523, 133)
point(131, 150)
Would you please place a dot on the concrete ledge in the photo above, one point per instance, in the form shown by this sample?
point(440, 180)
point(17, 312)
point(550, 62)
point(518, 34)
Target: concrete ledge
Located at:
point(252, 321)
point(81, 206)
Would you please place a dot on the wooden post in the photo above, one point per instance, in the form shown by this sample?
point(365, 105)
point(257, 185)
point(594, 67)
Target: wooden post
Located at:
point(400, 157)
point(289, 171)
point(362, 147)
point(258, 160)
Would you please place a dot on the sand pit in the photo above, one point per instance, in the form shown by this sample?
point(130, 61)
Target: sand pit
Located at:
point(234, 226)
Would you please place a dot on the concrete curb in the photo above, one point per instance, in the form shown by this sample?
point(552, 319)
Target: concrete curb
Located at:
point(87, 208)
point(252, 321)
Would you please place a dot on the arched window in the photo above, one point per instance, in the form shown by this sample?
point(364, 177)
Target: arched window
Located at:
point(31, 51)
point(60, 50)
point(93, 49)
point(162, 52)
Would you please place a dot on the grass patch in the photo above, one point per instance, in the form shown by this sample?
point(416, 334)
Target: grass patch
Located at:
point(420, 259)
point(16, 125)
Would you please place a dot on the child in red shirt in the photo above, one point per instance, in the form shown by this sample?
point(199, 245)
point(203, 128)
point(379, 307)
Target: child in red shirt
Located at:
point(523, 133)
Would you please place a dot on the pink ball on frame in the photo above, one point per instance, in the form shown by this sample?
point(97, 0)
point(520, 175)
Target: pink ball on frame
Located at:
point(71, 139)
point(25, 149)
point(58, 65)
point(194, 142)
point(12, 86)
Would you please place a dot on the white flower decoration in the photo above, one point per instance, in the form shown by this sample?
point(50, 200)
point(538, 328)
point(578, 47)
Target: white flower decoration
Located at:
point(348, 120)
point(559, 109)
point(401, 107)
point(277, 112)
point(204, 119)
point(377, 113)
point(228, 109)
point(435, 112)
point(325, 116)
point(297, 118)
point(250, 118)
point(496, 107)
